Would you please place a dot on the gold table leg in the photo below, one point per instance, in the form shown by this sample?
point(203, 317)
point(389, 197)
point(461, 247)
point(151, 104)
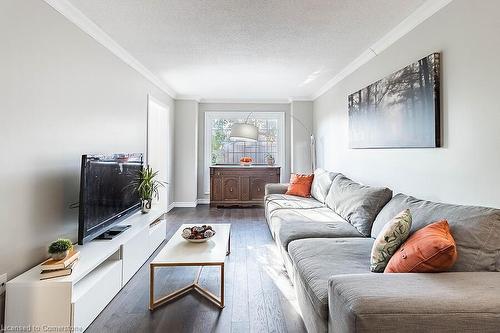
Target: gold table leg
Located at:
point(195, 286)
point(219, 301)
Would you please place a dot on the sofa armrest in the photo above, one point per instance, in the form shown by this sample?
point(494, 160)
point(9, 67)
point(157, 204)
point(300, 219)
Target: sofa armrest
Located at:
point(276, 188)
point(415, 302)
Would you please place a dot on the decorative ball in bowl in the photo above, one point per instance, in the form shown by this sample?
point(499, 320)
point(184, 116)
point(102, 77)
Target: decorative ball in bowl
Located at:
point(198, 234)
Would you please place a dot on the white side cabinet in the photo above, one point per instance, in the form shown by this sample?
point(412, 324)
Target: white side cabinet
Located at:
point(71, 303)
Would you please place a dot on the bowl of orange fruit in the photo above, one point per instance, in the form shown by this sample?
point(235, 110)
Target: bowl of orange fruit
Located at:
point(246, 161)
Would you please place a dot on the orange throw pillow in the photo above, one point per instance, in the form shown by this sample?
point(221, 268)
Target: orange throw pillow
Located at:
point(300, 185)
point(430, 249)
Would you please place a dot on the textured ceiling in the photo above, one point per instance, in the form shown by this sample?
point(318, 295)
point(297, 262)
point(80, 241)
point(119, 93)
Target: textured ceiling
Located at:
point(253, 49)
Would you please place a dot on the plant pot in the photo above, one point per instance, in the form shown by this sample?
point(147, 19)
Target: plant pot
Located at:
point(146, 205)
point(59, 255)
point(270, 161)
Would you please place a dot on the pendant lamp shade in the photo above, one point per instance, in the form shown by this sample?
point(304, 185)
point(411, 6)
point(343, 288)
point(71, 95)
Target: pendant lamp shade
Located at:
point(244, 132)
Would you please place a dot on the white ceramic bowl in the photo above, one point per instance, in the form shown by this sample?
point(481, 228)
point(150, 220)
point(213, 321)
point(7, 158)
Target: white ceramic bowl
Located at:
point(198, 240)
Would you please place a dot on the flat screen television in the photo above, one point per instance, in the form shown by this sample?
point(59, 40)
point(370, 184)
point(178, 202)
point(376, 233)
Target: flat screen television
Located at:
point(106, 194)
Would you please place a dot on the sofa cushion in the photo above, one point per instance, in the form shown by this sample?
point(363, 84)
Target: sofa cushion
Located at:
point(321, 184)
point(389, 240)
point(356, 203)
point(415, 302)
point(287, 225)
point(280, 201)
point(276, 188)
point(476, 230)
point(316, 260)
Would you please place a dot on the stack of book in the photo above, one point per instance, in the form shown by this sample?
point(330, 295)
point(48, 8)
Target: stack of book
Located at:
point(55, 268)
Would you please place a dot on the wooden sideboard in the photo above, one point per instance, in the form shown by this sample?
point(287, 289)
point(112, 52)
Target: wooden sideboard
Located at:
point(234, 185)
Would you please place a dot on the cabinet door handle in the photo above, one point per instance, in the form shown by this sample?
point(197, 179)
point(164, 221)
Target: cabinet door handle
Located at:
point(258, 189)
point(231, 189)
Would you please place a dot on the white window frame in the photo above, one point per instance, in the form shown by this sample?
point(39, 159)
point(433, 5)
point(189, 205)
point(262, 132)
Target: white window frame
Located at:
point(211, 115)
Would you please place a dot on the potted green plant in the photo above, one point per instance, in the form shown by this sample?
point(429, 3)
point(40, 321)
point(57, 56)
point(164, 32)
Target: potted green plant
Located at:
point(148, 187)
point(59, 249)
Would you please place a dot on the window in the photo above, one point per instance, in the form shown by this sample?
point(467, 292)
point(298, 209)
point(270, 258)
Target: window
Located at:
point(219, 149)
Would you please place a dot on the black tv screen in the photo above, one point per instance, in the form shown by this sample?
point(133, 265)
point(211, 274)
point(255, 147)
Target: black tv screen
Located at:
point(106, 193)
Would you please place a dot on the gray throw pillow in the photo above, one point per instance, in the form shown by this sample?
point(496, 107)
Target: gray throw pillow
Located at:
point(357, 204)
point(394, 233)
point(321, 184)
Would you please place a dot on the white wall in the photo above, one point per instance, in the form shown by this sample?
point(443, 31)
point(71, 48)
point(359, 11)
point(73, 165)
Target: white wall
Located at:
point(301, 127)
point(61, 95)
point(186, 152)
point(466, 169)
point(245, 108)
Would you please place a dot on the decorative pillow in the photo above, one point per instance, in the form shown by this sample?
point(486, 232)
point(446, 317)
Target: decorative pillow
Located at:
point(394, 233)
point(300, 185)
point(357, 204)
point(430, 249)
point(476, 230)
point(321, 184)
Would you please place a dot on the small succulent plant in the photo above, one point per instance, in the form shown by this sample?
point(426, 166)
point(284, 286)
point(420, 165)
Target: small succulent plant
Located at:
point(60, 245)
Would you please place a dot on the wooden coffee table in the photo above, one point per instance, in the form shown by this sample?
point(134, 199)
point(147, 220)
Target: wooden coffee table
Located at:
point(179, 252)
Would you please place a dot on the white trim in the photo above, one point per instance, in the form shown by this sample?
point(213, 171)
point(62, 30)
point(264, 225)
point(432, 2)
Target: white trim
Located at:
point(186, 204)
point(300, 99)
point(245, 101)
point(209, 115)
point(188, 98)
point(242, 107)
point(170, 207)
point(157, 101)
point(426, 10)
point(203, 201)
point(74, 15)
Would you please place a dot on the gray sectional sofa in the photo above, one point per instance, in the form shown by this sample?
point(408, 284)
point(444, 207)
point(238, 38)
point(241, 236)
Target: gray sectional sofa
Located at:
point(326, 240)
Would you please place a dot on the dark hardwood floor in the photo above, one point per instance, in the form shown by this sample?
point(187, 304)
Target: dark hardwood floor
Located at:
point(259, 295)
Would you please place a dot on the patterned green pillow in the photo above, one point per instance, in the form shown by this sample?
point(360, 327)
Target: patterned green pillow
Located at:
point(389, 240)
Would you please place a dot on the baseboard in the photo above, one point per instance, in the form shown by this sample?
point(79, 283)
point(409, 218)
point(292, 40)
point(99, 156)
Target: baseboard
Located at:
point(186, 204)
point(203, 201)
point(189, 204)
point(170, 207)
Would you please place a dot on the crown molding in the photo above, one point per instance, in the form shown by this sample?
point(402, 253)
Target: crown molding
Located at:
point(75, 16)
point(188, 98)
point(426, 10)
point(300, 99)
point(245, 101)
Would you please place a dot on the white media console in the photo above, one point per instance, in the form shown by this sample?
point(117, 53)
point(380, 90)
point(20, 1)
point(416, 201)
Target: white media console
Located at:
point(72, 302)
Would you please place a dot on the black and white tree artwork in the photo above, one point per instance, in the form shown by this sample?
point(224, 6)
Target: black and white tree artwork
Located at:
point(399, 111)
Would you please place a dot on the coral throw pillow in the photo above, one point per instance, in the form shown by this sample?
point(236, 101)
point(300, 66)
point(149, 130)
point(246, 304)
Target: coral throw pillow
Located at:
point(430, 249)
point(300, 185)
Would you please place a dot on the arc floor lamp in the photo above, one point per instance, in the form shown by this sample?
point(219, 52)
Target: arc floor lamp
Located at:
point(249, 132)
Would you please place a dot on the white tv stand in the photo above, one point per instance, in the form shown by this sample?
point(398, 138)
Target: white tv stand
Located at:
point(72, 302)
